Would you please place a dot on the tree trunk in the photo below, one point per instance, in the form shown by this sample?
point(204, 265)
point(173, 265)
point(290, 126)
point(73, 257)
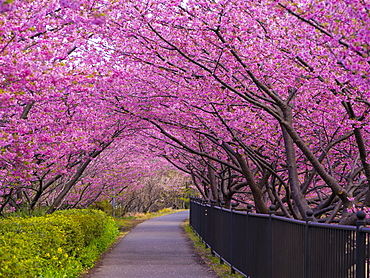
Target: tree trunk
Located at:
point(256, 191)
point(361, 149)
point(58, 200)
point(299, 199)
point(330, 181)
point(41, 189)
point(213, 185)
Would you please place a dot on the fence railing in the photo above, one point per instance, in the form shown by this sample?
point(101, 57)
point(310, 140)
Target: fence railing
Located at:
point(269, 246)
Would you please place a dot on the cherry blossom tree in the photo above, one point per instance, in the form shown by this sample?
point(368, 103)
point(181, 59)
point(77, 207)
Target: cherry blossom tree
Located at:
point(302, 64)
point(263, 102)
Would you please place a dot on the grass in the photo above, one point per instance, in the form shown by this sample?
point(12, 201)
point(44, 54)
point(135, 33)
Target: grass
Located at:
point(222, 270)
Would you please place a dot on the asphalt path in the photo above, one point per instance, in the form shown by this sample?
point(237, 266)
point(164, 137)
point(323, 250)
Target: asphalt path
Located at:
point(156, 248)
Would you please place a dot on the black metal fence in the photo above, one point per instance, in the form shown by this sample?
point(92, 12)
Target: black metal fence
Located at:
point(269, 246)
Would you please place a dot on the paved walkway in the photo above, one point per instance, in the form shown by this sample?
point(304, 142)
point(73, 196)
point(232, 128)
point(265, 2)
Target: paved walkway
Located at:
point(156, 248)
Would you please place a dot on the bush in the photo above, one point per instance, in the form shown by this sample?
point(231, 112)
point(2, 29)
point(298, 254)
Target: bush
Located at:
point(103, 205)
point(57, 245)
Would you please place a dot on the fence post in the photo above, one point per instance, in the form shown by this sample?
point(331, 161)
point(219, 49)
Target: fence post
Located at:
point(190, 210)
point(200, 217)
point(212, 237)
point(271, 212)
point(222, 204)
point(233, 206)
point(309, 218)
point(249, 210)
point(360, 245)
point(205, 224)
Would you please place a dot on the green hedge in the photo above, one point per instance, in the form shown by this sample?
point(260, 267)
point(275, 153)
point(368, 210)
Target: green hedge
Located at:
point(62, 244)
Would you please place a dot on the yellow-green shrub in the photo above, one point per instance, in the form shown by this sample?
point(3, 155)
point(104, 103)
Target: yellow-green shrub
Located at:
point(57, 245)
